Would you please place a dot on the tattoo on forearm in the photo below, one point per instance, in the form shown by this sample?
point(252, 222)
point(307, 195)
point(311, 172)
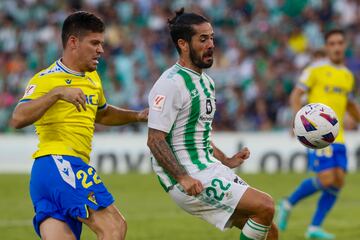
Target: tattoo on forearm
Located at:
point(165, 157)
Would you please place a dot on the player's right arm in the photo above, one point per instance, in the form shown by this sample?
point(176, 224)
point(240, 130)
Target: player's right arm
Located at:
point(295, 99)
point(26, 113)
point(166, 159)
point(165, 103)
point(306, 81)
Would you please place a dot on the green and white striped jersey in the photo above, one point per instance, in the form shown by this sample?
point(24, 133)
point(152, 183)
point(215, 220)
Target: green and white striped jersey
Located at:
point(182, 104)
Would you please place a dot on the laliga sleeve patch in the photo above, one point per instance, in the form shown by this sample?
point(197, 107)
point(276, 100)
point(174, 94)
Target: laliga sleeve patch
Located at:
point(29, 90)
point(158, 103)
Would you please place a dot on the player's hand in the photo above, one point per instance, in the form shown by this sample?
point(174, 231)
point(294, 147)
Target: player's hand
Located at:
point(72, 95)
point(191, 185)
point(143, 115)
point(238, 158)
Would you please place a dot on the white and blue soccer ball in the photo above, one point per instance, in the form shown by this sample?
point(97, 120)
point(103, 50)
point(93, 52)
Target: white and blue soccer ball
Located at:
point(316, 125)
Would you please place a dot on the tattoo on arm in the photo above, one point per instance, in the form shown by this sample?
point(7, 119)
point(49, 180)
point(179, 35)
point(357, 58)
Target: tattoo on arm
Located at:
point(163, 154)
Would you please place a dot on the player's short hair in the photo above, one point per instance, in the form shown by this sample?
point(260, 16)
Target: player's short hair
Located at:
point(328, 34)
point(80, 23)
point(181, 26)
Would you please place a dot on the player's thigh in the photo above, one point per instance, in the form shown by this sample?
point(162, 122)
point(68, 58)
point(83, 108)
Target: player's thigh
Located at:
point(106, 219)
point(254, 203)
point(340, 177)
point(327, 177)
point(53, 229)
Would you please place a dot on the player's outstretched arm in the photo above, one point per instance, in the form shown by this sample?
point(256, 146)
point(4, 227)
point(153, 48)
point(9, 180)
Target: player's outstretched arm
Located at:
point(165, 157)
point(113, 116)
point(235, 160)
point(354, 110)
point(29, 112)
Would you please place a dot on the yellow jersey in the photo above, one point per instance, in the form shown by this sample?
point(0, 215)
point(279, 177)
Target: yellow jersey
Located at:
point(331, 85)
point(62, 129)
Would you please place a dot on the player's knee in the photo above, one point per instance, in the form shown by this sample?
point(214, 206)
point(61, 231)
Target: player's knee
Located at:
point(117, 229)
point(267, 208)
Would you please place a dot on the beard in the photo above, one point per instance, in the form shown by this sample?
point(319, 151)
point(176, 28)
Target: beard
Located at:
point(197, 60)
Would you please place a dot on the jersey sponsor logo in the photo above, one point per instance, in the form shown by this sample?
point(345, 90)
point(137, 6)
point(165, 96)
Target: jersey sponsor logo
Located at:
point(90, 99)
point(209, 116)
point(29, 90)
point(209, 107)
point(159, 102)
point(68, 81)
point(335, 89)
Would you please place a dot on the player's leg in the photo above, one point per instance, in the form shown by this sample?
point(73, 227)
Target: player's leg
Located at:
point(333, 180)
point(107, 223)
point(306, 188)
point(325, 203)
point(53, 229)
point(73, 191)
point(254, 214)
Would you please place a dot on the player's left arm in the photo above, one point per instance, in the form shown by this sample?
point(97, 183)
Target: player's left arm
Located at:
point(353, 109)
point(233, 161)
point(113, 116)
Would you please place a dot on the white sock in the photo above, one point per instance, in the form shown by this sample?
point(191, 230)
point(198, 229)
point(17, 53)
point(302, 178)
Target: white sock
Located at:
point(255, 230)
point(287, 205)
point(313, 228)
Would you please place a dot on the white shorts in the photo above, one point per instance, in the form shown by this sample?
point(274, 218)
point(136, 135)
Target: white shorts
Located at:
point(222, 192)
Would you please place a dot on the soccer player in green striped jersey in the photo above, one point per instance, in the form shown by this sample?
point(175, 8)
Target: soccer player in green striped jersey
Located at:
point(195, 173)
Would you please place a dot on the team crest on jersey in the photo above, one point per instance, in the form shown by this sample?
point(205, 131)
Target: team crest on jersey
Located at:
point(194, 93)
point(68, 81)
point(29, 90)
point(92, 198)
point(158, 103)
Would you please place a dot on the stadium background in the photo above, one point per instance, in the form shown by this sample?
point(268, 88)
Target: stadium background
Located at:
point(261, 47)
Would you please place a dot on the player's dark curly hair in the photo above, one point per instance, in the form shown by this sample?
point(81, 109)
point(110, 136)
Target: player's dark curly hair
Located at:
point(332, 32)
point(80, 23)
point(181, 26)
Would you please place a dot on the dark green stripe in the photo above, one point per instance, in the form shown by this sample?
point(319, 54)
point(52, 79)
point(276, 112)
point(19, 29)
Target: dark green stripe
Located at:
point(258, 225)
point(190, 128)
point(243, 237)
point(163, 184)
point(255, 228)
point(211, 85)
point(206, 141)
point(207, 94)
point(206, 135)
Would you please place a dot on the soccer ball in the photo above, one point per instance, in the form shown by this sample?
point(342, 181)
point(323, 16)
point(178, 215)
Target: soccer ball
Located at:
point(316, 125)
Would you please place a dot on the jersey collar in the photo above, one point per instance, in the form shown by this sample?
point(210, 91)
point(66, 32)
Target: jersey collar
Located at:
point(188, 69)
point(68, 70)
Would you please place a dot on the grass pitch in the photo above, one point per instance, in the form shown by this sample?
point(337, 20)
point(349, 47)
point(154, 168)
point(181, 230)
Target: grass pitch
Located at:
point(152, 215)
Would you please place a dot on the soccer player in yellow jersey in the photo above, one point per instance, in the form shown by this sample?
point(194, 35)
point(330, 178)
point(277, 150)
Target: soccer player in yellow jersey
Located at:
point(330, 83)
point(63, 102)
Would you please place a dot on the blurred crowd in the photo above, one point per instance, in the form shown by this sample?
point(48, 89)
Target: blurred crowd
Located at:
point(261, 48)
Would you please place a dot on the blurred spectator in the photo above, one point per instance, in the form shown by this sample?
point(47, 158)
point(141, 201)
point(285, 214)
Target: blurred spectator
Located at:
point(261, 47)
